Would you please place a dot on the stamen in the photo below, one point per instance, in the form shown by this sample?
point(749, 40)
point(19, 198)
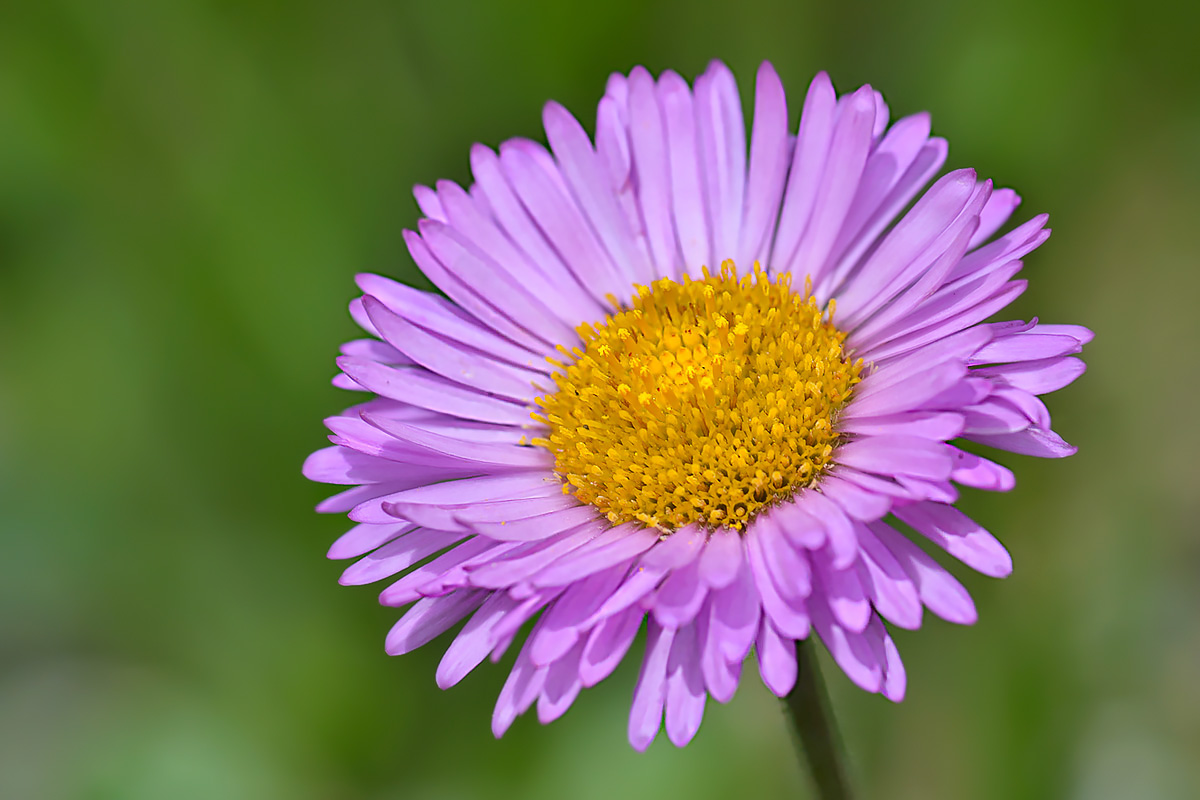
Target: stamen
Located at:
point(703, 402)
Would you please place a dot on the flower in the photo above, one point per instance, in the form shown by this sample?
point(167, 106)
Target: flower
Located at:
point(675, 388)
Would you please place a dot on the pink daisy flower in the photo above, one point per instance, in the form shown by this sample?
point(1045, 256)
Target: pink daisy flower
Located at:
point(673, 387)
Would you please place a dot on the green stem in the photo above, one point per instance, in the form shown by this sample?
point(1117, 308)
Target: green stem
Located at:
point(818, 742)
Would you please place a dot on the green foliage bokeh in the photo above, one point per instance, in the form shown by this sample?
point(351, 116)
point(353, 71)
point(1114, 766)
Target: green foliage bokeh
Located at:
point(186, 191)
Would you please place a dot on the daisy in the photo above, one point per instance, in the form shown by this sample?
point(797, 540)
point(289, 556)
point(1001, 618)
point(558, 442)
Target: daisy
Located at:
point(671, 387)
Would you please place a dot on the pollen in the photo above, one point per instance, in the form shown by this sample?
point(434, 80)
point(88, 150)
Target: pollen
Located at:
point(703, 402)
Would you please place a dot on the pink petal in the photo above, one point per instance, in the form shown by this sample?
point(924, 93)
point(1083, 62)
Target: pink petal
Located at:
point(685, 695)
point(939, 591)
point(958, 535)
point(776, 659)
point(607, 644)
point(646, 712)
point(768, 167)
point(430, 616)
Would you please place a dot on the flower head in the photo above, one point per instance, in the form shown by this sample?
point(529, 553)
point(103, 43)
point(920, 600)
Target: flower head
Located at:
point(669, 387)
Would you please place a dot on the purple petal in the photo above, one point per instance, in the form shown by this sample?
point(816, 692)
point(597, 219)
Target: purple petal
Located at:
point(612, 145)
point(567, 619)
point(473, 642)
point(768, 167)
point(839, 529)
point(646, 712)
point(949, 311)
point(851, 651)
point(540, 527)
point(429, 617)
point(857, 502)
point(906, 246)
point(348, 499)
point(557, 215)
point(1029, 442)
point(439, 315)
point(647, 140)
point(462, 293)
point(428, 202)
point(487, 489)
point(954, 348)
point(736, 610)
point(364, 538)
point(958, 535)
point(721, 559)
point(937, 425)
point(452, 360)
point(788, 567)
point(808, 163)
point(843, 593)
point(531, 558)
point(776, 660)
point(619, 544)
point(685, 695)
point(846, 159)
point(1076, 332)
point(939, 591)
point(374, 350)
point(720, 676)
point(874, 205)
point(687, 195)
point(410, 587)
point(360, 435)
point(898, 455)
point(1025, 347)
point(722, 135)
point(607, 645)
point(979, 473)
point(894, 676)
point(520, 229)
point(789, 616)
point(500, 511)
point(903, 299)
point(1037, 377)
point(1031, 406)
point(910, 394)
point(920, 489)
point(344, 466)
point(420, 388)
point(927, 163)
point(891, 592)
point(584, 173)
point(801, 528)
point(997, 211)
point(562, 686)
point(492, 285)
point(678, 600)
point(1010, 247)
point(522, 687)
point(639, 583)
point(495, 456)
point(676, 550)
point(398, 555)
point(564, 297)
point(507, 627)
point(994, 415)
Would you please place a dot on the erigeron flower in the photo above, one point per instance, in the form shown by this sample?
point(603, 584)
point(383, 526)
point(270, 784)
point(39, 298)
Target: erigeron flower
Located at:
point(671, 387)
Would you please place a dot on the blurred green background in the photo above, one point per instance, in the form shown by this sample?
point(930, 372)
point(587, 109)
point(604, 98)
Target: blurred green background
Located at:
point(187, 188)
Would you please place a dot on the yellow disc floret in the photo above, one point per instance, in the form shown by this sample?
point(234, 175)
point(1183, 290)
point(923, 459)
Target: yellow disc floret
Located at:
point(703, 402)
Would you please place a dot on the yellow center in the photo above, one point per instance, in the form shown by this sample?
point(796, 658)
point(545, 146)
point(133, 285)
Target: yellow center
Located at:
point(703, 402)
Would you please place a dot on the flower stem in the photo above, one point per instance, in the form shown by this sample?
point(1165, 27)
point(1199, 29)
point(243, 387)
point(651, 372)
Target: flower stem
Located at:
point(818, 742)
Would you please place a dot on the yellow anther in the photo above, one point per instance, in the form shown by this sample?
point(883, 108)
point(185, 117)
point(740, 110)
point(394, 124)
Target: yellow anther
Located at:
point(702, 403)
